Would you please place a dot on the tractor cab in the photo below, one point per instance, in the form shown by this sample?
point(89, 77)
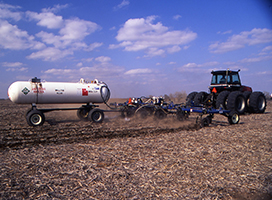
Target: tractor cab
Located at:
point(225, 80)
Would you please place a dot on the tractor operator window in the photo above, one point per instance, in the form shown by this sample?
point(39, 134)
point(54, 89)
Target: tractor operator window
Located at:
point(214, 78)
point(235, 79)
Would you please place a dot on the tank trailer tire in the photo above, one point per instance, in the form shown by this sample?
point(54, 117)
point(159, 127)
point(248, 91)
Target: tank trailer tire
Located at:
point(233, 117)
point(257, 102)
point(190, 97)
point(222, 99)
point(236, 101)
point(96, 115)
point(35, 118)
point(83, 113)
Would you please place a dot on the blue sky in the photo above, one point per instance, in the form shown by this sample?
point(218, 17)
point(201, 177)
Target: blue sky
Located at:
point(137, 47)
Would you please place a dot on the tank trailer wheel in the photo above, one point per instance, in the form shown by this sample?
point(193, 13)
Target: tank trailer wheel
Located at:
point(83, 113)
point(96, 115)
point(35, 118)
point(233, 117)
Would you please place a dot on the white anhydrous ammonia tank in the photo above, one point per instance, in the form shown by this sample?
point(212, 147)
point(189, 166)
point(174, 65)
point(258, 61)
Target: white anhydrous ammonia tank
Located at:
point(35, 91)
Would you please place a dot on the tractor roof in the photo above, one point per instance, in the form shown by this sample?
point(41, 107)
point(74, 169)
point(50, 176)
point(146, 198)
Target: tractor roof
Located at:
point(225, 71)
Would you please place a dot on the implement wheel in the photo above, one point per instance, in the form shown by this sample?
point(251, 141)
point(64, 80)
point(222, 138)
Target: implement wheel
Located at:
point(233, 117)
point(182, 115)
point(160, 114)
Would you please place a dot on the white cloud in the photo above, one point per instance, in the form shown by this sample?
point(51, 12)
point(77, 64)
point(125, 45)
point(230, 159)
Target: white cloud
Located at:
point(77, 29)
point(87, 59)
point(101, 69)
point(225, 32)
point(6, 12)
point(256, 59)
point(72, 33)
point(138, 71)
point(11, 37)
point(55, 8)
point(194, 66)
point(154, 52)
point(173, 49)
point(103, 59)
point(176, 17)
point(59, 71)
point(253, 37)
point(141, 34)
point(79, 64)
point(50, 54)
point(122, 4)
point(268, 48)
point(20, 69)
point(51, 39)
point(13, 64)
point(93, 46)
point(47, 19)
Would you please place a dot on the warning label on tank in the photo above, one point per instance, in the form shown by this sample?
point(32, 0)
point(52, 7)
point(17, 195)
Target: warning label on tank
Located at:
point(40, 90)
point(25, 91)
point(84, 92)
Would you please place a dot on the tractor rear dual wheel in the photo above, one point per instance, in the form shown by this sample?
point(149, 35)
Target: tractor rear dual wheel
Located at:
point(200, 98)
point(236, 101)
point(190, 98)
point(257, 102)
point(221, 100)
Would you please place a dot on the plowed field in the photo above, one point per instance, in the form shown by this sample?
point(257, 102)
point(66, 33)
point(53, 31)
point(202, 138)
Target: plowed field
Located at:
point(134, 158)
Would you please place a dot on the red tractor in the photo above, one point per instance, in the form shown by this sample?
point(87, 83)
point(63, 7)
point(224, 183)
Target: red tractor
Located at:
point(227, 91)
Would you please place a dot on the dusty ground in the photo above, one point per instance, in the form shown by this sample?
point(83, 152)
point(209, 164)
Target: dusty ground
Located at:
point(134, 159)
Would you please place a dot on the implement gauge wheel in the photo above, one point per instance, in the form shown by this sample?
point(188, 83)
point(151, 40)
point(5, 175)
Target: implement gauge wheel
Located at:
point(160, 114)
point(35, 118)
point(233, 117)
point(96, 115)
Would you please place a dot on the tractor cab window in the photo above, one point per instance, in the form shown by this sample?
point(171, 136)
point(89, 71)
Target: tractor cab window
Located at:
point(235, 79)
point(219, 79)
